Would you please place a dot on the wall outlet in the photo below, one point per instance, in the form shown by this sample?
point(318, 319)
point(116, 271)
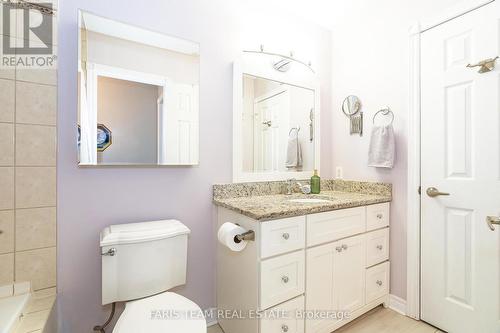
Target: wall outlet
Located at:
point(339, 173)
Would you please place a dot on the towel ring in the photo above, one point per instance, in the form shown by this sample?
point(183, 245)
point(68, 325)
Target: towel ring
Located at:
point(384, 112)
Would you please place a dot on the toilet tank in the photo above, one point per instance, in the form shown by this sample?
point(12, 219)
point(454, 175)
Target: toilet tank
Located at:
point(142, 259)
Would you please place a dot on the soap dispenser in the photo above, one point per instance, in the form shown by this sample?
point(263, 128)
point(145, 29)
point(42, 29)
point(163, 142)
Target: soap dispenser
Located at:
point(315, 183)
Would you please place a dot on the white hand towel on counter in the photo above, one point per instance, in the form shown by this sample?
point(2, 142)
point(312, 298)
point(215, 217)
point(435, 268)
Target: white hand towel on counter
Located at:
point(293, 151)
point(382, 147)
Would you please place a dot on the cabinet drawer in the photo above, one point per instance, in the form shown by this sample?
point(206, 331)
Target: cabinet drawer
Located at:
point(280, 236)
point(377, 281)
point(329, 226)
point(377, 246)
point(284, 318)
point(281, 278)
point(377, 216)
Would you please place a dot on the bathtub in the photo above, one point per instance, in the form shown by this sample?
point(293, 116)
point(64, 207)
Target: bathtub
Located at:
point(11, 309)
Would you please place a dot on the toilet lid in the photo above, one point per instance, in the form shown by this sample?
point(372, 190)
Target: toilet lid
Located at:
point(163, 313)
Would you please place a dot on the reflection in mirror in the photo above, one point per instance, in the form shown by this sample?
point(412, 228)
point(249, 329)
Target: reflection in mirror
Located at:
point(138, 95)
point(278, 126)
point(351, 105)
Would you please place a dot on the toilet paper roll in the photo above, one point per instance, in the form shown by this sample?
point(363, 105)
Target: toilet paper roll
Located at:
point(226, 235)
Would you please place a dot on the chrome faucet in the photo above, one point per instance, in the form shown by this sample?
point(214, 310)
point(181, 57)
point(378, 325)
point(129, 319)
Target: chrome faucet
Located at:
point(289, 186)
point(305, 189)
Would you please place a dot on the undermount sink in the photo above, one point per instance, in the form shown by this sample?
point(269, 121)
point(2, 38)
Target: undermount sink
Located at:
point(309, 200)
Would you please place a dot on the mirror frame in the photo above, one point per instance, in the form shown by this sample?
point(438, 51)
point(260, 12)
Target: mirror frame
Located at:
point(259, 66)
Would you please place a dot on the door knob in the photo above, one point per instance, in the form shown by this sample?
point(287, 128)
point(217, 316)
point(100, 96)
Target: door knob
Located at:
point(491, 220)
point(485, 66)
point(434, 192)
point(111, 252)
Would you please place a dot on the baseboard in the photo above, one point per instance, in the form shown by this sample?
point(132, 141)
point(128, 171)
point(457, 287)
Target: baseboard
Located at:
point(397, 304)
point(211, 316)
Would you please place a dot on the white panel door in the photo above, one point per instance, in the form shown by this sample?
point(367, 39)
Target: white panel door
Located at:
point(179, 126)
point(271, 122)
point(460, 155)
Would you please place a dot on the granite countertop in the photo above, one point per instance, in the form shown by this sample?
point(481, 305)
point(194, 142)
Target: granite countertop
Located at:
point(275, 206)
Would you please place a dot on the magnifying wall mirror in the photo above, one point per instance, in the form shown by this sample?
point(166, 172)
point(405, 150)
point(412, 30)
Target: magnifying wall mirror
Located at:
point(138, 95)
point(351, 105)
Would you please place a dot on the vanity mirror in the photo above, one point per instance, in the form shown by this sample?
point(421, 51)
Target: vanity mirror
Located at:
point(276, 120)
point(138, 95)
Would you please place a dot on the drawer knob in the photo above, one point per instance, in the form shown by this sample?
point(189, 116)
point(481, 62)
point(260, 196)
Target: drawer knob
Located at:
point(344, 246)
point(284, 328)
point(380, 247)
point(285, 279)
point(380, 216)
point(379, 282)
point(286, 235)
point(339, 248)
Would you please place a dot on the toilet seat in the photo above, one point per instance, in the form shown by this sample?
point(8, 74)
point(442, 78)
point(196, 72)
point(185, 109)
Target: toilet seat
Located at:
point(162, 313)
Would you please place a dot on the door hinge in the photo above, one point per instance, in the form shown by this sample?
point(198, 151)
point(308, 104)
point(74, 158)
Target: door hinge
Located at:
point(420, 190)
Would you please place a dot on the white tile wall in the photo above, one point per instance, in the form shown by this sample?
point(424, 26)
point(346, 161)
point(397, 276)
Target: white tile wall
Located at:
point(35, 228)
point(35, 187)
point(35, 145)
point(7, 228)
point(37, 266)
point(7, 186)
point(6, 144)
point(6, 268)
point(7, 96)
point(28, 110)
point(35, 103)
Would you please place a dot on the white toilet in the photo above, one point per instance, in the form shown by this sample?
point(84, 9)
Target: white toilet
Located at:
point(140, 262)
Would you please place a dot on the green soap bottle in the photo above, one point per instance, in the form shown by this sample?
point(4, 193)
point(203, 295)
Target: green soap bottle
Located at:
point(315, 183)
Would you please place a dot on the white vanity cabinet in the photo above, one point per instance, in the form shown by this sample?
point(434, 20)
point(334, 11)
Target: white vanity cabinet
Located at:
point(312, 265)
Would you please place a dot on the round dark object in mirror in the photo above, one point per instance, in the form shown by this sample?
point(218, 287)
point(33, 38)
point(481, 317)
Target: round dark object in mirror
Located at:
point(104, 137)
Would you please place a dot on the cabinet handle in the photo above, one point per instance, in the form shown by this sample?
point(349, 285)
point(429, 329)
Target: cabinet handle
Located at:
point(286, 235)
point(380, 216)
point(285, 279)
point(284, 328)
point(379, 282)
point(344, 246)
point(339, 248)
point(380, 247)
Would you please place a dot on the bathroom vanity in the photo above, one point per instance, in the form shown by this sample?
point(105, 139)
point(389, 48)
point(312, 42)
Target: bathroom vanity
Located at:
point(314, 258)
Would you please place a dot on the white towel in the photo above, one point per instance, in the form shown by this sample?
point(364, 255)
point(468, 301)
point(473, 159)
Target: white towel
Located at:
point(293, 151)
point(382, 147)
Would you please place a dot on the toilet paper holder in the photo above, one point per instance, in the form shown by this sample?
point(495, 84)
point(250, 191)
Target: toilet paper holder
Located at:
point(246, 236)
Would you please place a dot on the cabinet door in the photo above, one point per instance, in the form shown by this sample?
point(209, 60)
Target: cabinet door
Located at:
point(319, 285)
point(349, 273)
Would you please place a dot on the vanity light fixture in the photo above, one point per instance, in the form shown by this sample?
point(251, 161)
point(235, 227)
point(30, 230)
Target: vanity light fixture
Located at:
point(283, 65)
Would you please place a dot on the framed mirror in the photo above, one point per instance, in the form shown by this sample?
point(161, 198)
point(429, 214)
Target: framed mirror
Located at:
point(138, 96)
point(275, 120)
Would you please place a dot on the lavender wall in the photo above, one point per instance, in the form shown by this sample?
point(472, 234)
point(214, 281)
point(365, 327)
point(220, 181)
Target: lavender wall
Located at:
point(371, 60)
point(92, 198)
